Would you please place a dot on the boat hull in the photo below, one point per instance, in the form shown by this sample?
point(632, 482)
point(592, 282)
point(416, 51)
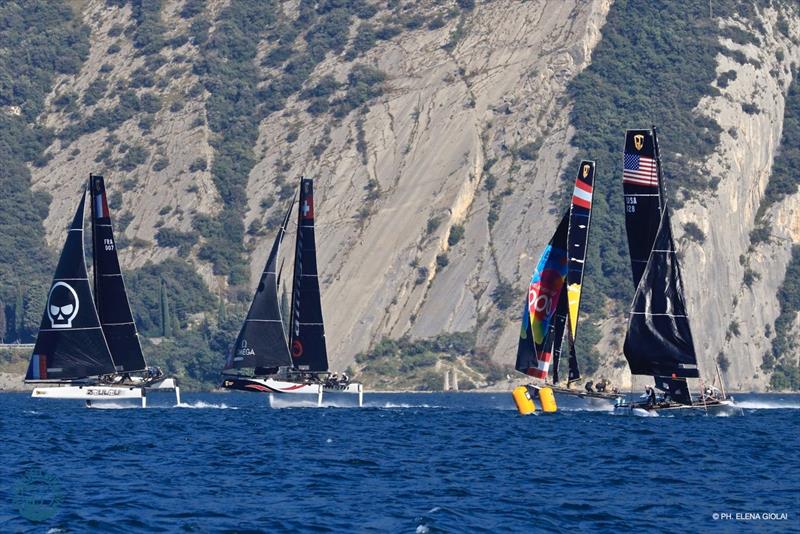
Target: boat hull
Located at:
point(102, 392)
point(722, 408)
point(273, 385)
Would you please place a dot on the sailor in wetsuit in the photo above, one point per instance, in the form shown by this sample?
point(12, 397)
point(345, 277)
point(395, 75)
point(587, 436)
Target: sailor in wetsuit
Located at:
point(651, 395)
point(602, 385)
point(588, 387)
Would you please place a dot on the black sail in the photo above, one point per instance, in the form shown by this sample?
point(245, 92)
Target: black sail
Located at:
point(659, 339)
point(307, 329)
point(640, 184)
point(262, 340)
point(70, 344)
point(110, 295)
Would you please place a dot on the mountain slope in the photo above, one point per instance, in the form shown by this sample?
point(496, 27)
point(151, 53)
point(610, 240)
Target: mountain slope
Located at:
point(441, 137)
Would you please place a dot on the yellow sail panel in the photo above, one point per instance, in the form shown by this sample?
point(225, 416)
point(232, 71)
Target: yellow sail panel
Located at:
point(574, 300)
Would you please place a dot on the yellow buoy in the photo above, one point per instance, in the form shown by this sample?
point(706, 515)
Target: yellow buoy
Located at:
point(523, 400)
point(548, 400)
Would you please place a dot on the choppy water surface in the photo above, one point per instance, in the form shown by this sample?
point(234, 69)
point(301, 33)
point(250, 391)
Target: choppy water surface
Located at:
point(403, 463)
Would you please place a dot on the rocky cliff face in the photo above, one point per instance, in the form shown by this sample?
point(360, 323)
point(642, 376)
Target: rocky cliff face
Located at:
point(471, 131)
point(445, 114)
point(724, 301)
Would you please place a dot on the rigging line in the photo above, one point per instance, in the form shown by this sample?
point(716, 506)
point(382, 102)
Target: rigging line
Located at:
point(651, 314)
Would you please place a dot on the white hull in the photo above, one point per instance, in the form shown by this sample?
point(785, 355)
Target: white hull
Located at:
point(273, 385)
point(91, 393)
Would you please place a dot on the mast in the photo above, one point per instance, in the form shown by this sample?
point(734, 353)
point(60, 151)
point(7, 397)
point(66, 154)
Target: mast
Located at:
point(662, 191)
point(110, 295)
point(70, 344)
point(307, 327)
point(261, 343)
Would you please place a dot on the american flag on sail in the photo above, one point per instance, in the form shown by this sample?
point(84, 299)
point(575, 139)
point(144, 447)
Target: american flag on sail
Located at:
point(640, 170)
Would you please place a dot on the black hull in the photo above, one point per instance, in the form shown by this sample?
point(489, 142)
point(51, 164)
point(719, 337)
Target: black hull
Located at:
point(716, 407)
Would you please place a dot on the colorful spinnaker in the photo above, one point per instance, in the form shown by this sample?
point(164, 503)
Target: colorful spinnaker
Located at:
point(541, 301)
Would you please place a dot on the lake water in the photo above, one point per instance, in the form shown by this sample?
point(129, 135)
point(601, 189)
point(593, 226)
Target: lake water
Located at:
point(446, 462)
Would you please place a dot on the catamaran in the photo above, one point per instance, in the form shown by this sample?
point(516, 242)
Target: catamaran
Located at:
point(659, 340)
point(87, 346)
point(549, 310)
point(299, 365)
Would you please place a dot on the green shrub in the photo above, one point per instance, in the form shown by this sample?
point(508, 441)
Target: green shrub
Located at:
point(134, 157)
point(456, 234)
point(433, 224)
point(504, 295)
point(160, 164)
point(694, 232)
point(200, 164)
point(529, 151)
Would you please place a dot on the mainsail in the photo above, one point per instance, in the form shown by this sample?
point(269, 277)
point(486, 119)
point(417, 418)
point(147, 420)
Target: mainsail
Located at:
point(577, 238)
point(262, 340)
point(659, 339)
point(533, 354)
point(110, 296)
point(70, 344)
point(307, 329)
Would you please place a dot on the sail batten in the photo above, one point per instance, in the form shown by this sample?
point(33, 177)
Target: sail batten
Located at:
point(70, 344)
point(261, 343)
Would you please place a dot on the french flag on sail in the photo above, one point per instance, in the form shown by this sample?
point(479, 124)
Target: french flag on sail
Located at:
point(582, 194)
point(101, 205)
point(39, 366)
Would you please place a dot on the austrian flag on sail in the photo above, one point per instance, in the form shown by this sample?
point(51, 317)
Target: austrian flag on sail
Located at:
point(582, 195)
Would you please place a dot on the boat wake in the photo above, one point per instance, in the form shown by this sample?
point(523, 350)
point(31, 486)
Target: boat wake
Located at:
point(402, 405)
point(206, 405)
point(279, 402)
point(106, 405)
point(590, 408)
point(768, 405)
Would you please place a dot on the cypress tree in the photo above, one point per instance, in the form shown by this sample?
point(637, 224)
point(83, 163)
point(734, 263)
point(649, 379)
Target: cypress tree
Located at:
point(166, 318)
point(19, 313)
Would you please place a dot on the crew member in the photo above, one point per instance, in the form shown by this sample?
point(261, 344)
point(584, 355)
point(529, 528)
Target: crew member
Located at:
point(601, 386)
point(651, 395)
point(588, 387)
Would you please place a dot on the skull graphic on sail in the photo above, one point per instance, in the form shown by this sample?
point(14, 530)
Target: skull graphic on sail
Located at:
point(62, 305)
